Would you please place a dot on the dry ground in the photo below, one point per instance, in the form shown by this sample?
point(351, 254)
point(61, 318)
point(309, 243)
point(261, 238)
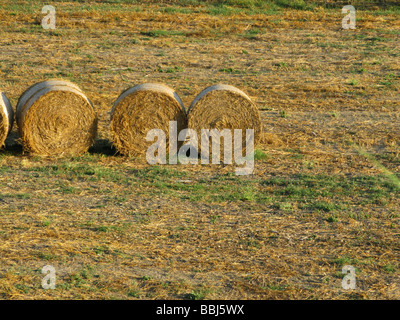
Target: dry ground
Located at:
point(325, 188)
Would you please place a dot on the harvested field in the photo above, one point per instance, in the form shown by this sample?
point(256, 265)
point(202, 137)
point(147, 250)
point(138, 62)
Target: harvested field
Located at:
point(325, 187)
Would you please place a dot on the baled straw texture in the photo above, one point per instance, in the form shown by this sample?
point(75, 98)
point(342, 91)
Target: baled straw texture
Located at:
point(221, 107)
point(55, 118)
point(6, 118)
point(140, 109)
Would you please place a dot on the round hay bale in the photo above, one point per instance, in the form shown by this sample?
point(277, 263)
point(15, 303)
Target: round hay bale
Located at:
point(140, 109)
point(6, 118)
point(222, 107)
point(55, 118)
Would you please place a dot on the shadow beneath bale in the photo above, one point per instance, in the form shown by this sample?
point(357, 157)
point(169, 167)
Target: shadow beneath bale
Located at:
point(13, 145)
point(103, 146)
point(12, 150)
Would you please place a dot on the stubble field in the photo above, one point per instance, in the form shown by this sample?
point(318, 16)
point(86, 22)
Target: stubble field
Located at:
point(325, 188)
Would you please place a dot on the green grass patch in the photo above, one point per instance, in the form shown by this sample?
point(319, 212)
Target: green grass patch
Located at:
point(162, 33)
point(170, 69)
point(231, 71)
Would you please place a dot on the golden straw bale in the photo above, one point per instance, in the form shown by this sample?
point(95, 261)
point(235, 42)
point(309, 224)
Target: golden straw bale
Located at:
point(55, 118)
point(142, 108)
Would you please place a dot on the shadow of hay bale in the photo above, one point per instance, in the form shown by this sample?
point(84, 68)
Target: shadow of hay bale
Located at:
point(103, 146)
point(12, 143)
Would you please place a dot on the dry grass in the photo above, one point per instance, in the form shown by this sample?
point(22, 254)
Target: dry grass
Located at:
point(324, 192)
